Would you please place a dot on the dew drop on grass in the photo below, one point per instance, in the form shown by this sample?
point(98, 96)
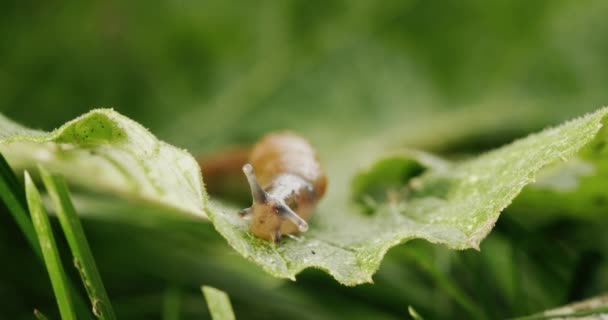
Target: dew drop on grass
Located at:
point(97, 307)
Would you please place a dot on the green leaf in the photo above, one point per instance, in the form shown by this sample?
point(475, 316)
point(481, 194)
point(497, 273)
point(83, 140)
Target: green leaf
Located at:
point(452, 204)
point(107, 152)
point(455, 204)
point(575, 188)
point(49, 249)
point(218, 303)
point(83, 258)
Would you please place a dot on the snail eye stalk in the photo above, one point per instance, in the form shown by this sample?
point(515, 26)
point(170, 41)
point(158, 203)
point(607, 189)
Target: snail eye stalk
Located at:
point(290, 215)
point(259, 195)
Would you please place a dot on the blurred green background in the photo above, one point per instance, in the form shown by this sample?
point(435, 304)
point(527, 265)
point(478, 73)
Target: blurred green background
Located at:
point(452, 77)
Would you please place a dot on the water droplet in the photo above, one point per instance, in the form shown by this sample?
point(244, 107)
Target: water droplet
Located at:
point(77, 264)
point(97, 304)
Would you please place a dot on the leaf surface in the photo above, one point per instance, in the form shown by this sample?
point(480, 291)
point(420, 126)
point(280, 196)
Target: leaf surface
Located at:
point(401, 197)
point(107, 152)
point(454, 204)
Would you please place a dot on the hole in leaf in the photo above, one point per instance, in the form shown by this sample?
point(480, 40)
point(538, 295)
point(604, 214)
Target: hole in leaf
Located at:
point(386, 180)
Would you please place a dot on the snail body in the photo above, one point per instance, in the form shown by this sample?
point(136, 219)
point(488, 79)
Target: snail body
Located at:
point(287, 184)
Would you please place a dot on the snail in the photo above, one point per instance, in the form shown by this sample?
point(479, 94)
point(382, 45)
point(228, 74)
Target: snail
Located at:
point(286, 182)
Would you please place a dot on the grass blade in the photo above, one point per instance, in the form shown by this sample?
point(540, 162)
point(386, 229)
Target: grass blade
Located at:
point(413, 313)
point(218, 303)
point(12, 195)
point(446, 284)
point(49, 249)
point(39, 315)
point(74, 233)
